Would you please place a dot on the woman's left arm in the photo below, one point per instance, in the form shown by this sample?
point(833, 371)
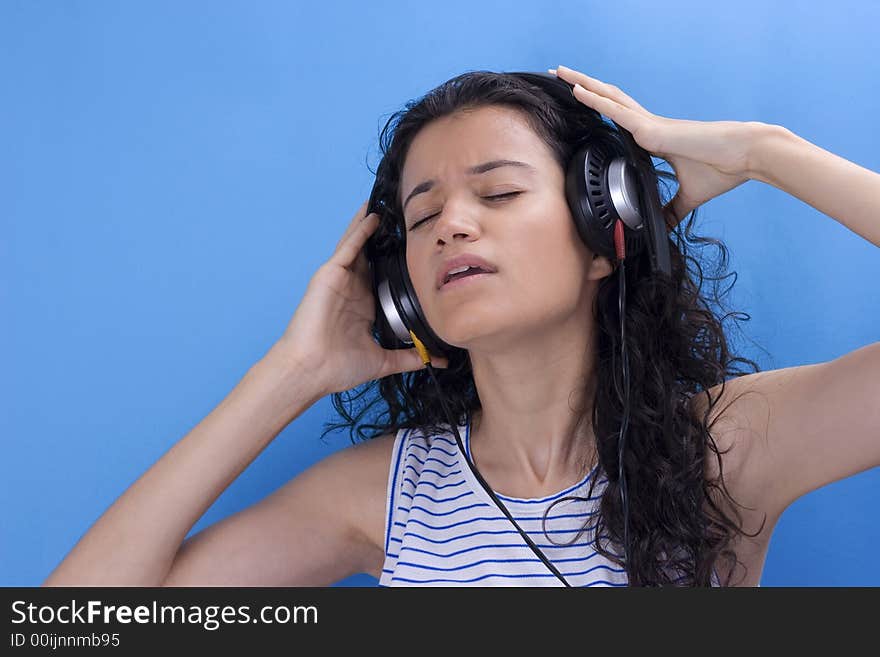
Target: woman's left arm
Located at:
point(841, 189)
point(798, 428)
point(807, 426)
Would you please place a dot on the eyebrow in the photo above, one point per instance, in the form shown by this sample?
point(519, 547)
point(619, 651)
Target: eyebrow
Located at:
point(473, 171)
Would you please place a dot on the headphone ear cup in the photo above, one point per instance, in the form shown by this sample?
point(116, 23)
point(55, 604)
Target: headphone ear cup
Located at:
point(397, 307)
point(411, 310)
point(634, 179)
point(654, 232)
point(601, 186)
point(388, 323)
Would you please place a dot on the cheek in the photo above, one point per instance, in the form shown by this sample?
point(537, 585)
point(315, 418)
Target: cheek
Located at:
point(555, 265)
point(420, 274)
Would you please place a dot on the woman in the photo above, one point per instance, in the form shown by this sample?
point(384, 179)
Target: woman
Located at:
point(710, 465)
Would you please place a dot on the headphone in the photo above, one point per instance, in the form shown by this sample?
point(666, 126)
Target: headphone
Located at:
point(617, 212)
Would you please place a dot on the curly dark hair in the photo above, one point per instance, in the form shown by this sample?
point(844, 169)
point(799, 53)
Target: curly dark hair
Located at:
point(677, 348)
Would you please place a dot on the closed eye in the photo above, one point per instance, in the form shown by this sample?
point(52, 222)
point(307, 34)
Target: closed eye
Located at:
point(488, 198)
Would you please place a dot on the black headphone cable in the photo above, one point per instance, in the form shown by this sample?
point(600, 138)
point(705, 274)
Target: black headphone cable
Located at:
point(426, 359)
point(620, 249)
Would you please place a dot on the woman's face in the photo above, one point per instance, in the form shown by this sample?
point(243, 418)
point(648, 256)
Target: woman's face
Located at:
point(544, 271)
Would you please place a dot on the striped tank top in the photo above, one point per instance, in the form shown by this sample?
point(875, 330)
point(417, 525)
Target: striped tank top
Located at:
point(443, 529)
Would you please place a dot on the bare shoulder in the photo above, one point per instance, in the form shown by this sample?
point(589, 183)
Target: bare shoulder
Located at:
point(365, 467)
point(323, 525)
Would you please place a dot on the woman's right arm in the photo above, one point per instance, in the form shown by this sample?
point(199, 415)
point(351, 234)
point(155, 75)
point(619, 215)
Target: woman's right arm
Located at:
point(318, 528)
point(134, 543)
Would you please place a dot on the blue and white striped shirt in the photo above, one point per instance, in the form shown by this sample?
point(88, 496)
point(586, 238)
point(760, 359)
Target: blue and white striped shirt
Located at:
point(443, 529)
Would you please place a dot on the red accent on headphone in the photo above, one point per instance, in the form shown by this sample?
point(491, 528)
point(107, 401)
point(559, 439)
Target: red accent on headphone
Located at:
point(619, 243)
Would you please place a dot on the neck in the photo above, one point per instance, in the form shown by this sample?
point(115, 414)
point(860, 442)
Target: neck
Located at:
point(536, 392)
point(534, 452)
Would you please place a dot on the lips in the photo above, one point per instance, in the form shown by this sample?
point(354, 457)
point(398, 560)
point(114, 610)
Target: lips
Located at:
point(458, 281)
point(459, 261)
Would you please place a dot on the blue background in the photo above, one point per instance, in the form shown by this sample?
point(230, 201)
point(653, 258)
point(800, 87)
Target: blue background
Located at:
point(174, 173)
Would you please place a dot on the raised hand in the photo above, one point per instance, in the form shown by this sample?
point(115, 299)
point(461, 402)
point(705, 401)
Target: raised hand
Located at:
point(708, 157)
point(329, 335)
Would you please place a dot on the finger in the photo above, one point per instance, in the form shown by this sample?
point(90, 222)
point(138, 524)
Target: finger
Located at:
point(349, 248)
point(361, 267)
point(358, 217)
point(408, 360)
point(630, 119)
point(599, 87)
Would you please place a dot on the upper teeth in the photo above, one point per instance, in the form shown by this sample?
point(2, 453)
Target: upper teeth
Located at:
point(458, 270)
point(461, 269)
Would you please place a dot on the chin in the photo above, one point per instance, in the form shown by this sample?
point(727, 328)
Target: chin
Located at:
point(465, 334)
point(476, 332)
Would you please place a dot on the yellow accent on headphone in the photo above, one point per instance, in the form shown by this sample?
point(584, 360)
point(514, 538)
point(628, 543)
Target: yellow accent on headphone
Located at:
point(426, 357)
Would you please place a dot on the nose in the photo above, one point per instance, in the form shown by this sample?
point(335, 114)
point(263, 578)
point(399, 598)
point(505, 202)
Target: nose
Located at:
point(456, 219)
